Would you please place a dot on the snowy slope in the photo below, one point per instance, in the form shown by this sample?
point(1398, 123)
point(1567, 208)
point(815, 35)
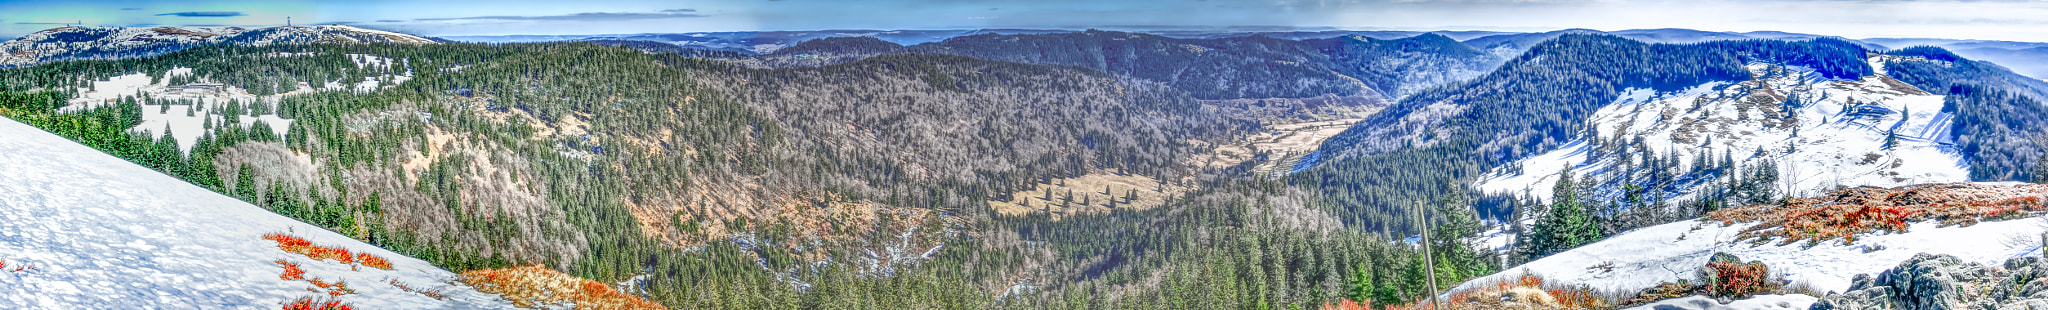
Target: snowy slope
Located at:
point(1761, 302)
point(102, 233)
point(187, 122)
point(1822, 134)
point(1666, 253)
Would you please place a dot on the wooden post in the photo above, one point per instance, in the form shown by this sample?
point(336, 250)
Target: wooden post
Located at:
point(1428, 259)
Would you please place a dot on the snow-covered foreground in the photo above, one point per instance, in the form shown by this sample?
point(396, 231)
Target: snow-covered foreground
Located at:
point(1666, 253)
point(1822, 133)
point(102, 233)
point(1761, 302)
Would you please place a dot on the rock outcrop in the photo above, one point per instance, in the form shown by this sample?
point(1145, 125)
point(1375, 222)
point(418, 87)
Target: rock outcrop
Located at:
point(1943, 282)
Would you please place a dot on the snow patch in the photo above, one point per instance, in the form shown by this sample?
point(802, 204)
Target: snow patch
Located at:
point(190, 107)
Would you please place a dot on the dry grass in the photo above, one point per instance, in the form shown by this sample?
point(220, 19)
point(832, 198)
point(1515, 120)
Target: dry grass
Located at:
point(435, 293)
point(535, 286)
point(1528, 292)
point(337, 288)
point(1089, 188)
point(292, 272)
point(1844, 214)
point(310, 303)
point(302, 247)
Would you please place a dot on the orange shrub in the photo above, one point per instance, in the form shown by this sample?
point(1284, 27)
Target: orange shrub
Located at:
point(291, 271)
point(308, 303)
point(1737, 279)
point(533, 286)
point(300, 246)
point(1724, 276)
point(373, 261)
point(1846, 213)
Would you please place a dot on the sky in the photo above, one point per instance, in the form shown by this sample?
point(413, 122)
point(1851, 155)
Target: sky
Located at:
point(2014, 20)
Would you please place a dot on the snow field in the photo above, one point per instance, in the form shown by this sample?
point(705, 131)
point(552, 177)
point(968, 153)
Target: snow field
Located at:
point(1835, 139)
point(186, 129)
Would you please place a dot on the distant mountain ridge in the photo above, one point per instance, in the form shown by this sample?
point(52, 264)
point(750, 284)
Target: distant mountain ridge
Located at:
point(77, 42)
point(1238, 67)
point(752, 42)
point(1512, 44)
point(2028, 58)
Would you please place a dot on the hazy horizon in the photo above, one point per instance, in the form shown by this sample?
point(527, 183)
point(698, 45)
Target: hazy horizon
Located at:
point(2009, 20)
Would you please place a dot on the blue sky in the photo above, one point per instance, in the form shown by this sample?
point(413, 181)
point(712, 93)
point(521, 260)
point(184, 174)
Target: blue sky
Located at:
point(2020, 20)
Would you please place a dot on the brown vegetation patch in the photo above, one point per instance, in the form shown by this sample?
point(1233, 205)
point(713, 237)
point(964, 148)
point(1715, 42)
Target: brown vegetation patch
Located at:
point(176, 31)
point(1727, 277)
point(1850, 212)
point(436, 293)
point(300, 246)
point(1092, 193)
point(1902, 87)
point(537, 286)
point(310, 303)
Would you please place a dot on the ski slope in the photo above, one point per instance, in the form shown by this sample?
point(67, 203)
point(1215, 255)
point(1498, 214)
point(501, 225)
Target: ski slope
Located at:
point(102, 233)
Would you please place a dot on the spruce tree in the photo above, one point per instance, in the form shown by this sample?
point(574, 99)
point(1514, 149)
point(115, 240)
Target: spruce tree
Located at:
point(1891, 138)
point(1567, 225)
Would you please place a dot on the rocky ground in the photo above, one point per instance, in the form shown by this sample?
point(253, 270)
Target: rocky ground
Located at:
point(1930, 282)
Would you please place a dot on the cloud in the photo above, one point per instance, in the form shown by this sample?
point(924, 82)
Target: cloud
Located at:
point(593, 16)
point(389, 21)
point(34, 23)
point(131, 9)
point(204, 14)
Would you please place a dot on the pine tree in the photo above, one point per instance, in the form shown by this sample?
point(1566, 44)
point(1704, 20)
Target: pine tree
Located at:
point(2041, 173)
point(1361, 283)
point(1456, 225)
point(1567, 225)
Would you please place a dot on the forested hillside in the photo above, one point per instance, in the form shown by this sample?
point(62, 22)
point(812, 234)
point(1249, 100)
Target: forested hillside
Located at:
point(865, 183)
point(1225, 68)
point(1232, 67)
point(1400, 67)
point(1069, 170)
point(1536, 102)
point(1999, 120)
